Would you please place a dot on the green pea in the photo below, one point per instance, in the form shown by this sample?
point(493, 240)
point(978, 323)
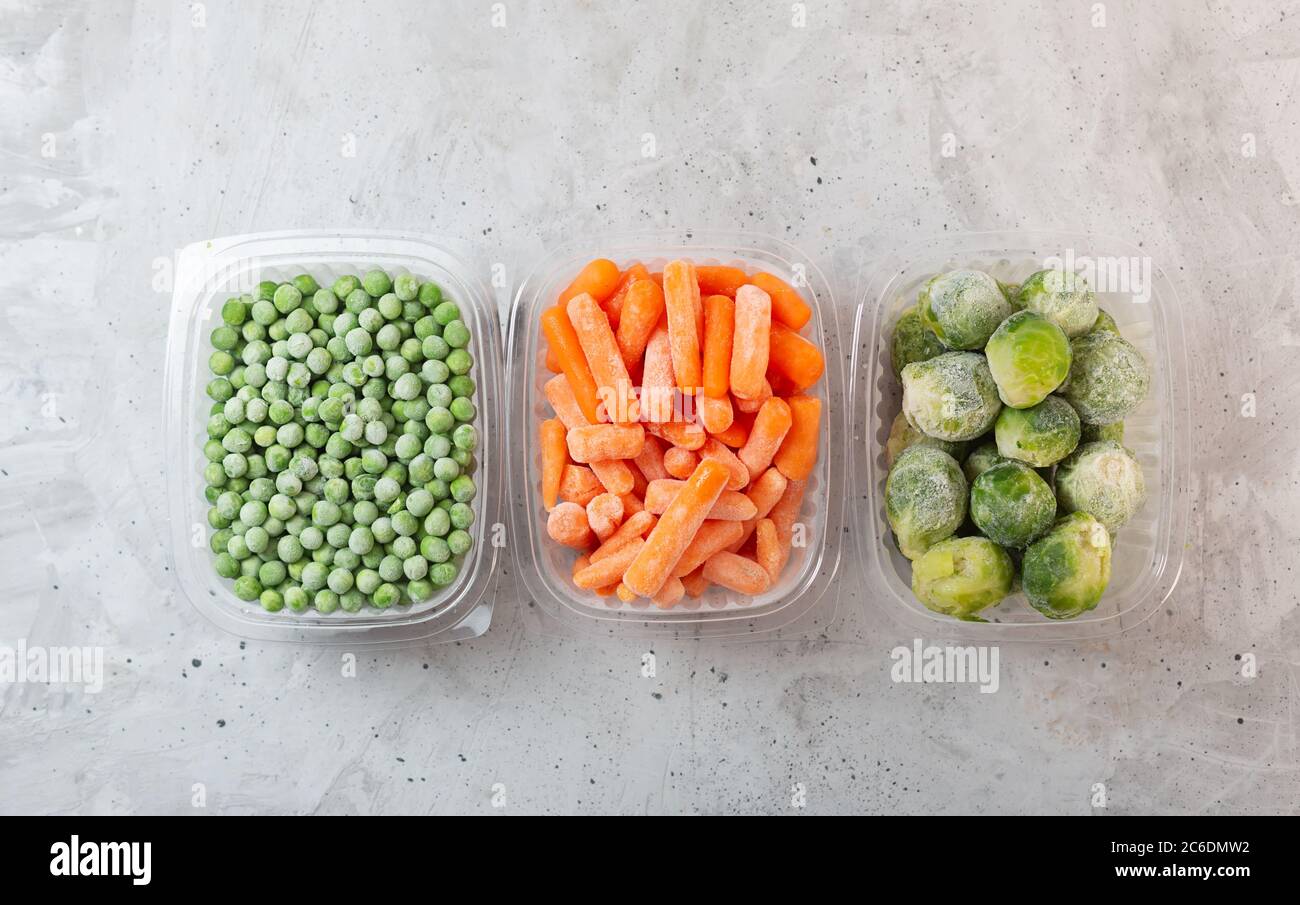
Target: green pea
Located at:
point(459, 541)
point(463, 410)
point(247, 588)
point(461, 515)
point(272, 600)
point(455, 333)
point(326, 601)
point(459, 361)
point(442, 574)
point(386, 595)
point(463, 489)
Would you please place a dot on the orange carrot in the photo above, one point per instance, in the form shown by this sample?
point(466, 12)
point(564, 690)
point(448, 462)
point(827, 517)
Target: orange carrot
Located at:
point(672, 591)
point(651, 459)
point(714, 449)
point(751, 406)
point(749, 350)
point(614, 476)
point(564, 341)
point(744, 576)
point(695, 583)
point(680, 463)
point(613, 386)
point(555, 455)
point(712, 537)
point(798, 452)
point(614, 304)
point(770, 427)
point(785, 515)
point(714, 279)
point(765, 493)
point(675, 529)
point(715, 415)
point(635, 526)
point(729, 506)
point(687, 435)
point(610, 569)
point(560, 396)
point(719, 329)
point(681, 299)
point(624, 593)
point(795, 358)
point(579, 485)
point(640, 316)
point(598, 279)
point(600, 442)
point(567, 524)
point(603, 515)
point(736, 435)
point(768, 551)
point(552, 360)
point(657, 382)
point(632, 500)
point(788, 305)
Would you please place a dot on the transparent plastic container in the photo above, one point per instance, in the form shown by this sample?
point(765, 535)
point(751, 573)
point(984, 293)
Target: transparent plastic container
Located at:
point(545, 567)
point(206, 274)
point(1148, 553)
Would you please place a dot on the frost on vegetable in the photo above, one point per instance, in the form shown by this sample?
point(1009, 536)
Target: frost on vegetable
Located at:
point(1062, 297)
point(1105, 323)
point(1108, 378)
point(1065, 572)
point(1011, 504)
point(981, 459)
point(1029, 357)
point(963, 308)
point(1090, 433)
point(912, 341)
point(951, 396)
point(1041, 435)
point(1102, 479)
point(903, 436)
point(925, 499)
point(962, 575)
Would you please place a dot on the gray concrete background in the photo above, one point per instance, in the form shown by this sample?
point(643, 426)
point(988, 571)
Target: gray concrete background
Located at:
point(130, 130)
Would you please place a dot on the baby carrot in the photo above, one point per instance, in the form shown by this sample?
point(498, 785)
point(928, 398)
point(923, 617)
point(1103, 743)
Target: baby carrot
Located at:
point(555, 455)
point(788, 305)
point(765, 493)
point(738, 432)
point(795, 358)
point(567, 524)
point(639, 317)
point(798, 452)
point(552, 360)
point(744, 576)
point(635, 526)
point(610, 569)
point(675, 529)
point(599, 442)
point(657, 382)
point(686, 434)
point(651, 459)
point(770, 427)
point(603, 515)
point(573, 363)
point(614, 476)
point(749, 350)
point(680, 463)
point(719, 329)
point(768, 549)
point(730, 505)
point(672, 591)
point(598, 279)
point(695, 583)
point(717, 451)
point(716, 280)
point(614, 304)
point(681, 300)
point(624, 593)
point(715, 415)
point(712, 537)
point(613, 386)
point(632, 499)
point(751, 406)
point(579, 485)
point(785, 515)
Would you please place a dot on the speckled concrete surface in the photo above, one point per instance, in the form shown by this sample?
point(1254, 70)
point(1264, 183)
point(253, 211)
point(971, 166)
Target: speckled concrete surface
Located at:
point(133, 129)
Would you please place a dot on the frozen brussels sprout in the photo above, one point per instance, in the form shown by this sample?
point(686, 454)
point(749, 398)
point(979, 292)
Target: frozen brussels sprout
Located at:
point(903, 436)
point(1041, 435)
point(963, 308)
point(1029, 357)
point(981, 459)
point(1102, 479)
point(1062, 297)
point(1090, 433)
point(912, 341)
point(951, 396)
point(1108, 377)
point(1104, 322)
point(1065, 572)
point(925, 498)
point(1011, 504)
point(1012, 292)
point(962, 575)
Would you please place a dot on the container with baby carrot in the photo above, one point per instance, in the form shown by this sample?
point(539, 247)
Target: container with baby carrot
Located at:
point(676, 437)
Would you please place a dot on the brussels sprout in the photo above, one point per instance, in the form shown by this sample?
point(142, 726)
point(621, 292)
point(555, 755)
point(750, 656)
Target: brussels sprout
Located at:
point(951, 396)
point(1090, 433)
point(1108, 378)
point(981, 459)
point(1062, 297)
point(1029, 357)
point(1041, 435)
point(912, 341)
point(1104, 322)
point(1065, 572)
point(925, 498)
point(1102, 479)
point(962, 575)
point(903, 436)
point(963, 308)
point(1012, 292)
point(1011, 504)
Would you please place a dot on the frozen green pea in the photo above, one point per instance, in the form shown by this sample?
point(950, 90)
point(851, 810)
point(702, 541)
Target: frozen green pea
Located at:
point(325, 514)
point(462, 409)
point(272, 573)
point(446, 313)
point(220, 389)
point(376, 433)
point(407, 447)
point(430, 295)
point(390, 568)
point(376, 283)
point(264, 313)
point(390, 306)
point(386, 595)
point(461, 515)
point(425, 327)
point(408, 386)
point(460, 362)
point(247, 588)
point(326, 601)
point(404, 523)
point(340, 581)
point(314, 576)
point(461, 385)
point(437, 522)
point(287, 297)
point(234, 312)
point(435, 348)
point(359, 341)
point(439, 488)
point(419, 503)
point(373, 461)
point(440, 420)
point(463, 489)
point(465, 459)
point(386, 490)
point(435, 373)
point(352, 601)
point(406, 287)
point(382, 529)
point(455, 333)
point(311, 537)
point(361, 540)
point(305, 284)
point(345, 285)
point(257, 539)
point(415, 567)
point(434, 549)
point(295, 598)
point(419, 590)
point(442, 574)
point(459, 542)
point(226, 565)
point(364, 512)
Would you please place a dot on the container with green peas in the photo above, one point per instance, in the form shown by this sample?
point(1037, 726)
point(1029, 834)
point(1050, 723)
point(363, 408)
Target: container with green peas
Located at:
point(332, 413)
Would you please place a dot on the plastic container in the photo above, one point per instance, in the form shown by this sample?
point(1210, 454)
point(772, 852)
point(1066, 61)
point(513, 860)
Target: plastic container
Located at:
point(545, 567)
point(206, 274)
point(1148, 553)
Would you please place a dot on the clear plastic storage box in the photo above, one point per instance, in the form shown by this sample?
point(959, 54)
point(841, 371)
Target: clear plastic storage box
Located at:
point(206, 274)
point(544, 566)
point(1148, 553)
